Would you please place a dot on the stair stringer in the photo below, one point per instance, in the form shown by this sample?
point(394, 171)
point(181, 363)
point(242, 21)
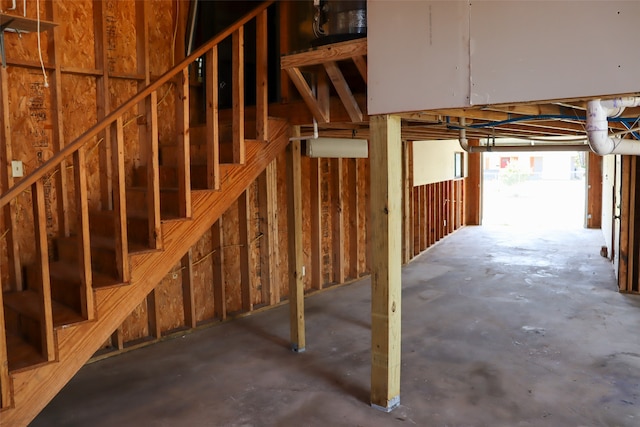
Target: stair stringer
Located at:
point(33, 388)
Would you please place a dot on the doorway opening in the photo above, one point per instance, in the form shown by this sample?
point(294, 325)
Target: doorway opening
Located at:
point(534, 189)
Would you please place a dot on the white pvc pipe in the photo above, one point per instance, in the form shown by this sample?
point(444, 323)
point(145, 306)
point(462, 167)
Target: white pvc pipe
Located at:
point(598, 112)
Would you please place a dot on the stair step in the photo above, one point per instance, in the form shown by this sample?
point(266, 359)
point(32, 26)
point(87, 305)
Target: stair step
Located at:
point(20, 353)
point(103, 252)
point(27, 303)
point(69, 274)
point(137, 200)
point(102, 223)
point(169, 176)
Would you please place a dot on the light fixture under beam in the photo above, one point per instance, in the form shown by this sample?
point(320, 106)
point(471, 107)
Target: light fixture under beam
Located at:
point(344, 148)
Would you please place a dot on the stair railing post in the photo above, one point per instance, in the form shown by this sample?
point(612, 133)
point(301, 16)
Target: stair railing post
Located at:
point(237, 40)
point(184, 156)
point(5, 390)
point(42, 260)
point(213, 129)
point(153, 171)
point(84, 240)
point(262, 95)
point(119, 199)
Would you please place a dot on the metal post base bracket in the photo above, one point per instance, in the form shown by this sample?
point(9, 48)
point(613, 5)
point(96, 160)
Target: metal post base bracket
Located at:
point(393, 404)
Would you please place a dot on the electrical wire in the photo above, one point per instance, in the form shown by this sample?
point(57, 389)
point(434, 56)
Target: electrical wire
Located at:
point(44, 73)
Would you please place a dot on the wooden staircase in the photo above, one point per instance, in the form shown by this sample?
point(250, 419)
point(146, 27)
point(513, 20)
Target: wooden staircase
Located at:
point(83, 286)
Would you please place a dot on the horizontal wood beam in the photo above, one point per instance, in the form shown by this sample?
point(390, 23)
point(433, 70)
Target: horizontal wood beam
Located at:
point(322, 54)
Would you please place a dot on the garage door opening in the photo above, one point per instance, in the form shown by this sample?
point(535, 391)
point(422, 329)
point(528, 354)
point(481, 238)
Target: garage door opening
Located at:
point(536, 189)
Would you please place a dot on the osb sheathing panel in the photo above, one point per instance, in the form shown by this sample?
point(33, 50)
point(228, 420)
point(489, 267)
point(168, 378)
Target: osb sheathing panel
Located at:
point(121, 91)
point(305, 167)
point(281, 274)
point(167, 114)
point(79, 112)
point(136, 326)
point(24, 46)
point(169, 304)
point(119, 21)
point(363, 210)
point(231, 248)
point(77, 37)
point(255, 243)
point(202, 254)
point(32, 143)
point(326, 219)
point(162, 27)
point(346, 214)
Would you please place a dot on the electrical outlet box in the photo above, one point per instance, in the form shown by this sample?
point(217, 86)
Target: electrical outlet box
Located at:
point(16, 169)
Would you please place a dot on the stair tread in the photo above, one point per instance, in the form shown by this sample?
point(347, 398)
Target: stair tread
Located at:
point(106, 242)
point(20, 353)
point(27, 303)
point(71, 272)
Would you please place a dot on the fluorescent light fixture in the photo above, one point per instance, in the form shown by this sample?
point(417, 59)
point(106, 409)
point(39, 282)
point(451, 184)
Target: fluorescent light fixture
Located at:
point(337, 148)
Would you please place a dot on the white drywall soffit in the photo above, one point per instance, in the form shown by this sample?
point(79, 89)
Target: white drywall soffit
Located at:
point(539, 50)
point(451, 54)
point(418, 52)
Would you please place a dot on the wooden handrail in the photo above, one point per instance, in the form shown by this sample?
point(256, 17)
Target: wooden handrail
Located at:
point(68, 150)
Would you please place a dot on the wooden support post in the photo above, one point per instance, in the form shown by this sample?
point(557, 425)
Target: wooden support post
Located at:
point(294, 224)
point(217, 243)
point(5, 387)
point(407, 191)
point(323, 94)
point(153, 315)
point(188, 294)
point(316, 223)
point(270, 254)
point(623, 267)
point(184, 142)
point(119, 200)
point(244, 226)
point(631, 251)
point(117, 338)
point(337, 221)
point(6, 180)
point(103, 101)
point(238, 95)
point(473, 187)
point(262, 94)
point(213, 132)
point(354, 222)
point(386, 288)
point(42, 259)
point(594, 191)
point(84, 249)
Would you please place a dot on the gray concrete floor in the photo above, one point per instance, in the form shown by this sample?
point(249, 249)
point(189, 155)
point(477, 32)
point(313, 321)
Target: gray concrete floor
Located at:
point(501, 327)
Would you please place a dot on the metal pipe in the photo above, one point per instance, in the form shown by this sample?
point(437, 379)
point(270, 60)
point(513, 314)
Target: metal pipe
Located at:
point(527, 148)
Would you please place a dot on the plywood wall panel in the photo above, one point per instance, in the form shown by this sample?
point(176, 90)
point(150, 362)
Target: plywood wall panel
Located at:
point(282, 273)
point(305, 165)
point(136, 325)
point(231, 268)
point(120, 27)
point(203, 277)
point(326, 221)
point(162, 32)
point(255, 242)
point(170, 309)
point(77, 39)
